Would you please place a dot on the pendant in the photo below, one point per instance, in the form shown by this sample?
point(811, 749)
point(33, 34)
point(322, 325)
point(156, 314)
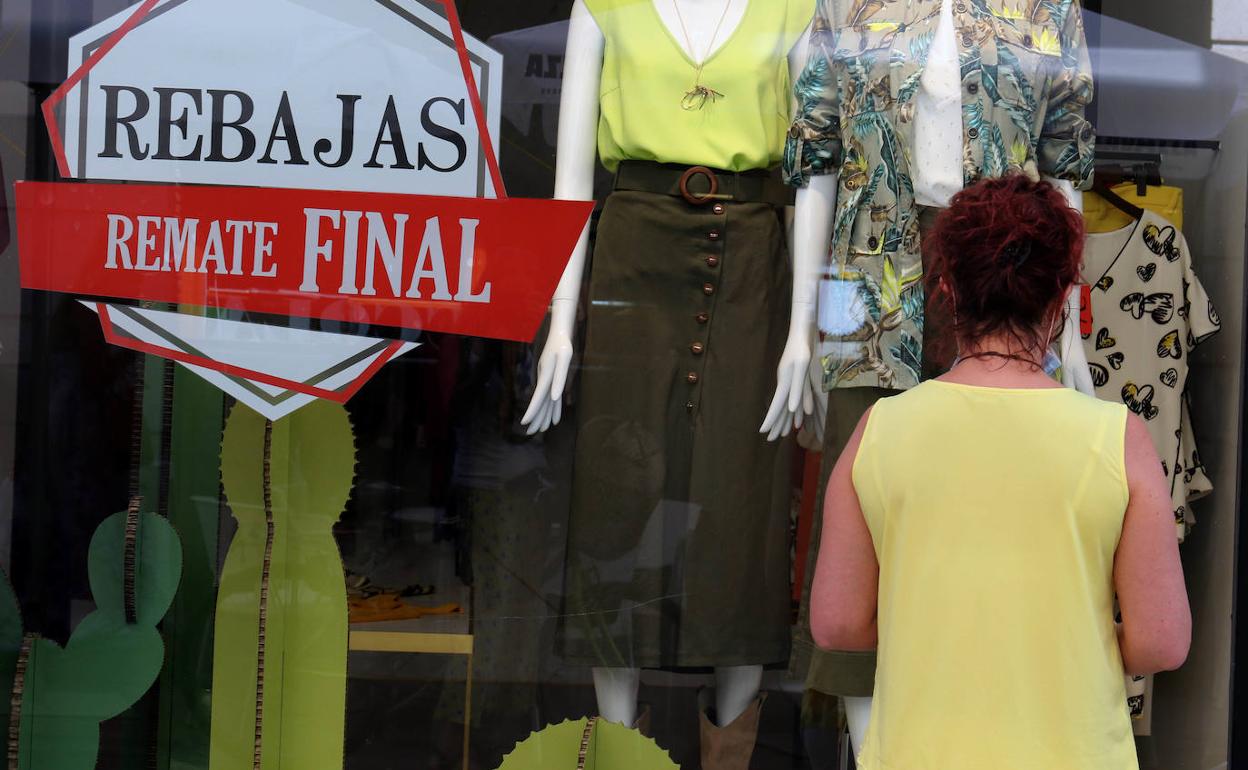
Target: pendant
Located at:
point(697, 97)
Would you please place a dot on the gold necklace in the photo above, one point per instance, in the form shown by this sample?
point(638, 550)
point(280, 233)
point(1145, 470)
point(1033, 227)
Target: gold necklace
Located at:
point(697, 97)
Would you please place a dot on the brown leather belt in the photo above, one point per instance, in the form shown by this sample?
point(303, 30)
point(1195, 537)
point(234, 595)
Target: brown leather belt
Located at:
point(700, 185)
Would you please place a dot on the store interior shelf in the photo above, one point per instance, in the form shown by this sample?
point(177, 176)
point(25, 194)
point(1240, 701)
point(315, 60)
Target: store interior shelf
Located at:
point(432, 634)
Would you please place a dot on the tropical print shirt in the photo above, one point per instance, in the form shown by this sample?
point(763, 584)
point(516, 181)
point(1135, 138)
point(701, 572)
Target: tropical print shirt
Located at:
point(1026, 79)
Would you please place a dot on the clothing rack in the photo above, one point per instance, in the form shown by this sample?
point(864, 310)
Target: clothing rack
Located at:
point(1135, 157)
point(1144, 169)
point(1181, 144)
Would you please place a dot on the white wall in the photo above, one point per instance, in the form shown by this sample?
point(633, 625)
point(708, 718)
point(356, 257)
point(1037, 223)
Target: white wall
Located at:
point(1191, 706)
point(1230, 28)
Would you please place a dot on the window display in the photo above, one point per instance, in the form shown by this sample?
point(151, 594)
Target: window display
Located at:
point(468, 375)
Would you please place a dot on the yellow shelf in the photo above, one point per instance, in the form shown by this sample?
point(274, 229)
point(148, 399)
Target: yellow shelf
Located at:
point(361, 640)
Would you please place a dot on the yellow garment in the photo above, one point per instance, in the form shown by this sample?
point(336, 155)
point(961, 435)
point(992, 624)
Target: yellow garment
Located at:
point(389, 606)
point(1102, 216)
point(995, 515)
point(646, 73)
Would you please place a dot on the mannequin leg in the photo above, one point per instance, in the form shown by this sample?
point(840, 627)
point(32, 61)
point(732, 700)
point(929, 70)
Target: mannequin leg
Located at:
point(736, 688)
point(728, 742)
point(616, 689)
point(857, 713)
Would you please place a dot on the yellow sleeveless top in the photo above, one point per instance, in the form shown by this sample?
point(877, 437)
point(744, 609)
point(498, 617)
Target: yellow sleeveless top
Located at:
point(646, 73)
point(995, 515)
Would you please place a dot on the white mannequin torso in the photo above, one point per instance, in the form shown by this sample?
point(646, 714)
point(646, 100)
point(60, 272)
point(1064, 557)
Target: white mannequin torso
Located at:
point(938, 174)
point(574, 178)
point(701, 17)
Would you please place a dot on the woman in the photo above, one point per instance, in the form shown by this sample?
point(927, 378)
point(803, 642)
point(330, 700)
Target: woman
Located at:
point(983, 550)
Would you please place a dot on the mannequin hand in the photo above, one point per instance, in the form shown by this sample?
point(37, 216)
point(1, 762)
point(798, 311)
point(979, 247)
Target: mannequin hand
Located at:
point(546, 406)
point(820, 415)
point(794, 397)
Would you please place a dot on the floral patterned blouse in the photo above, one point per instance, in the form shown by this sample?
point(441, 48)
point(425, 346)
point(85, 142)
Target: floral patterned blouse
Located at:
point(1026, 79)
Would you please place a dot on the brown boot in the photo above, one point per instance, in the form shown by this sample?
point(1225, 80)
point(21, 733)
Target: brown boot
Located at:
point(730, 747)
point(642, 725)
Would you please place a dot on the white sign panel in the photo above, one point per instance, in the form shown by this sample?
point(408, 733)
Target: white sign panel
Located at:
point(224, 352)
point(361, 95)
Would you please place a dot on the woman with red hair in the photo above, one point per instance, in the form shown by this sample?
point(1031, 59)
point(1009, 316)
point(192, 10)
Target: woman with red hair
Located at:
point(984, 550)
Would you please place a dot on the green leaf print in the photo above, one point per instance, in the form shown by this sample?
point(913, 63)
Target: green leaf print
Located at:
point(995, 163)
point(1018, 153)
point(890, 148)
point(909, 88)
point(1055, 10)
point(1020, 118)
point(907, 184)
point(893, 235)
point(973, 115)
point(920, 45)
point(908, 353)
point(812, 85)
point(844, 220)
point(970, 62)
point(912, 302)
point(973, 118)
point(890, 288)
point(869, 194)
point(1014, 71)
point(869, 293)
point(1068, 159)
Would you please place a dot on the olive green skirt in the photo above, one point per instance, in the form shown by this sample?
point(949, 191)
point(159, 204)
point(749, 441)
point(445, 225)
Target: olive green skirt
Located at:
point(678, 552)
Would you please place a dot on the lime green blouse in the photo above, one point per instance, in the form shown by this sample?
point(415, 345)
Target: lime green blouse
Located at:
point(646, 73)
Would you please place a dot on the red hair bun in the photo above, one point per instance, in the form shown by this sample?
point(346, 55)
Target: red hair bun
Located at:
point(1001, 258)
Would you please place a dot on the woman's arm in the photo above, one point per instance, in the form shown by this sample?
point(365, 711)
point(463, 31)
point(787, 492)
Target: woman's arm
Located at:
point(1156, 629)
point(843, 598)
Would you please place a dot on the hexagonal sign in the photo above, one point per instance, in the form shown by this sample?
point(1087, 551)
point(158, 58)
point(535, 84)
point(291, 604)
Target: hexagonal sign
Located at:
point(331, 160)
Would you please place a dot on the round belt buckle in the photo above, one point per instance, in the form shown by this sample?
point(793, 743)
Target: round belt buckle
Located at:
point(694, 198)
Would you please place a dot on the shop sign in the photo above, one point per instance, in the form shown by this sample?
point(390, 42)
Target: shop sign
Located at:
point(367, 95)
point(458, 265)
point(340, 164)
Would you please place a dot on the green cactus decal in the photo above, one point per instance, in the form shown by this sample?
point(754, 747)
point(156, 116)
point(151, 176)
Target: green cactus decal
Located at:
point(112, 658)
point(592, 745)
point(280, 658)
point(10, 648)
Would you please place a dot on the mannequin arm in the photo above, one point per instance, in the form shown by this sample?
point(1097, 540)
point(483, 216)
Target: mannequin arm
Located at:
point(794, 397)
point(1073, 196)
point(1075, 372)
point(574, 180)
point(812, 232)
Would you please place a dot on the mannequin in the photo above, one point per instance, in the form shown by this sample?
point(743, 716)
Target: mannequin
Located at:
point(574, 180)
point(616, 688)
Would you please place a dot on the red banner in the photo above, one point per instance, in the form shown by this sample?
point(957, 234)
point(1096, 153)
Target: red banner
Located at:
point(468, 266)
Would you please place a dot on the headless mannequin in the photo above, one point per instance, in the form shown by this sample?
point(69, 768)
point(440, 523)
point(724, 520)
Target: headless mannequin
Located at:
point(816, 204)
point(616, 688)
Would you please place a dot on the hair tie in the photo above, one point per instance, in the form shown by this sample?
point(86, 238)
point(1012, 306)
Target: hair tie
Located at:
point(1017, 251)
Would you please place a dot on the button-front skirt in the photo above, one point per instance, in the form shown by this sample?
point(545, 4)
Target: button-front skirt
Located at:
point(679, 533)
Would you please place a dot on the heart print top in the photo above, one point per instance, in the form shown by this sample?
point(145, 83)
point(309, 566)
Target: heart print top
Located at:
point(1145, 311)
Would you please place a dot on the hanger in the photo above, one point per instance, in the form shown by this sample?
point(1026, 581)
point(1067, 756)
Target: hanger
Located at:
point(1109, 176)
point(1146, 174)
